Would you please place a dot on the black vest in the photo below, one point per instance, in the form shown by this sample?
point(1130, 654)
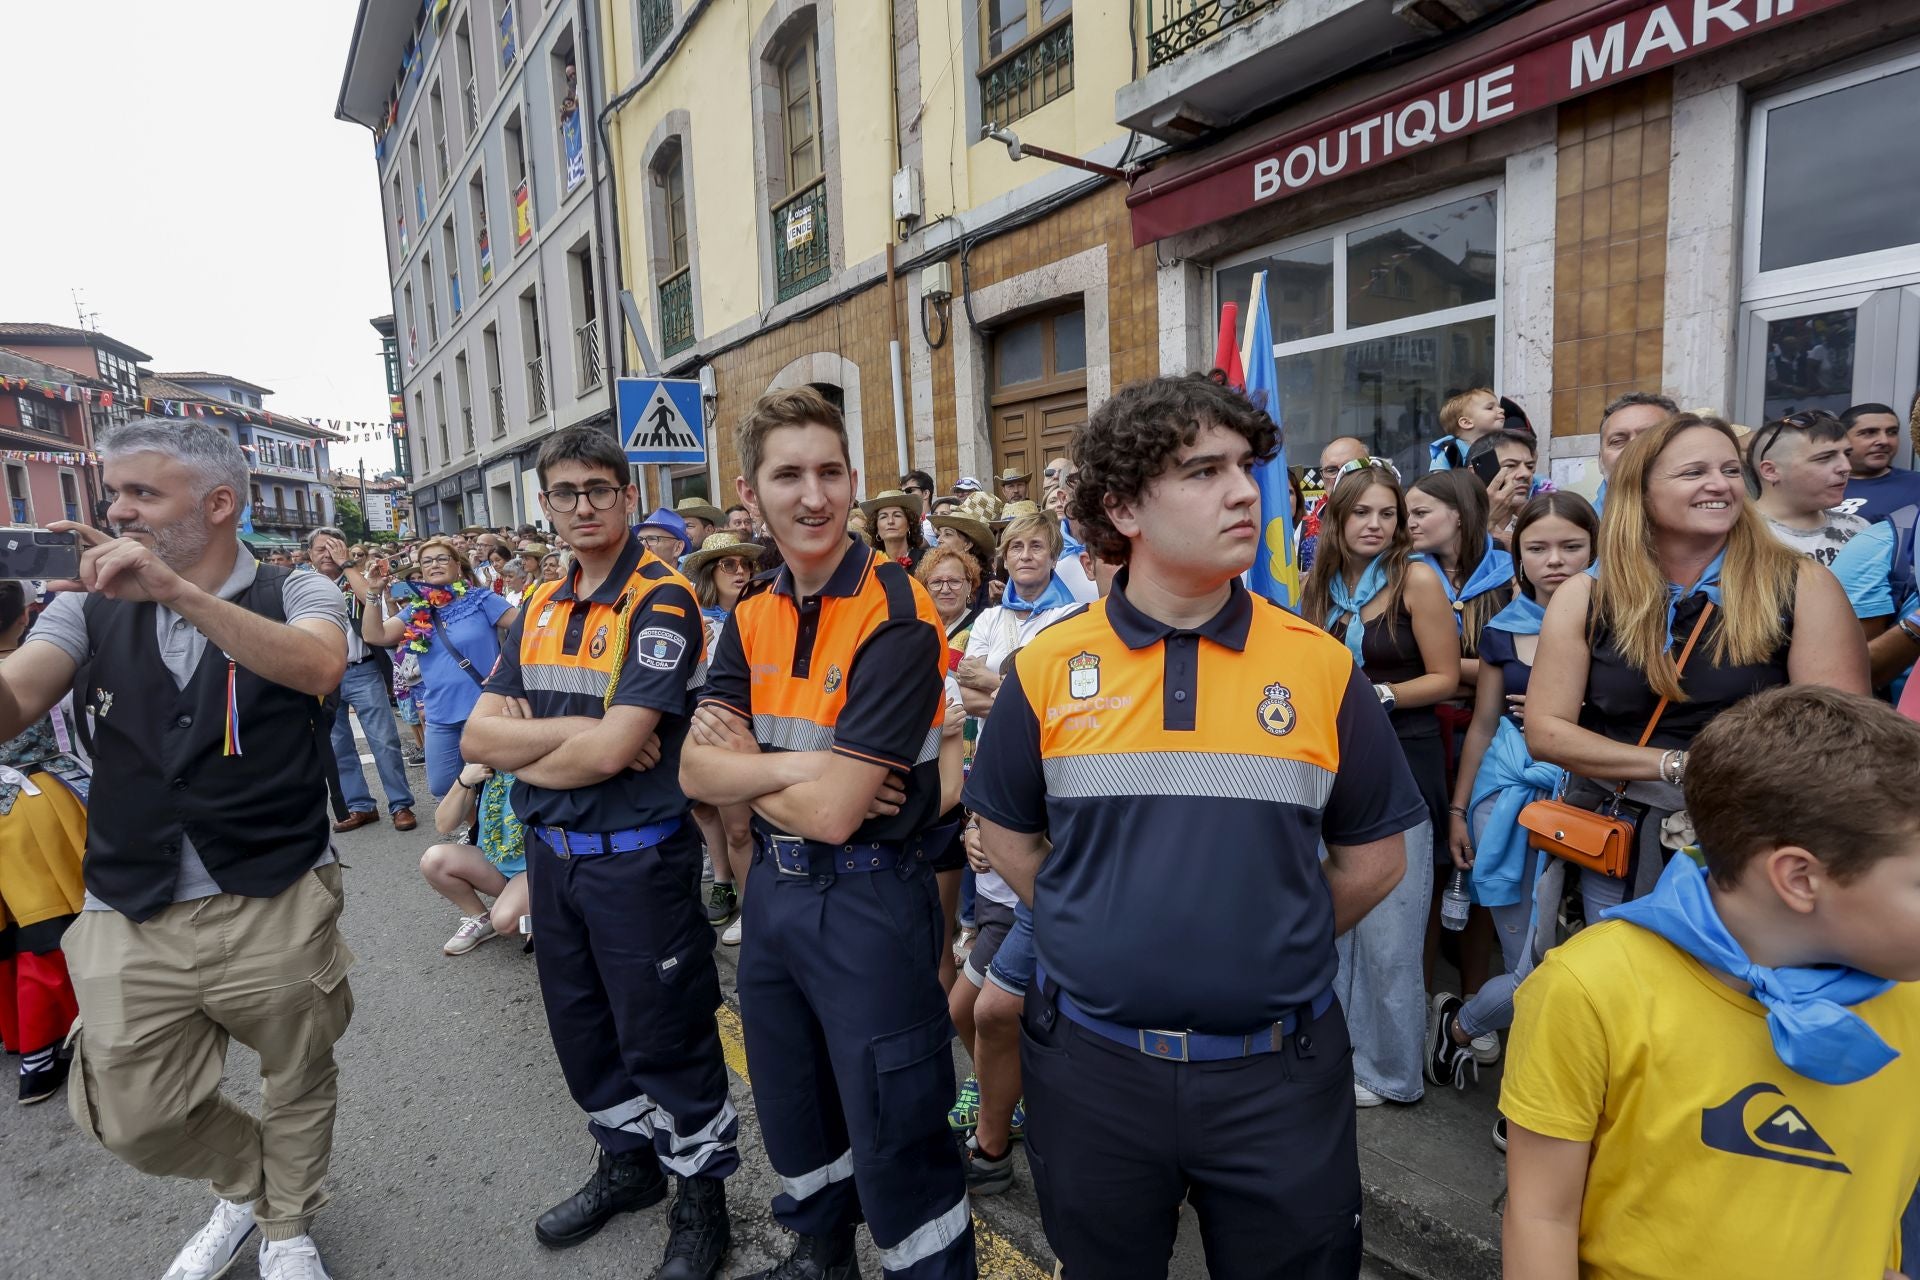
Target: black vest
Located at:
point(258, 820)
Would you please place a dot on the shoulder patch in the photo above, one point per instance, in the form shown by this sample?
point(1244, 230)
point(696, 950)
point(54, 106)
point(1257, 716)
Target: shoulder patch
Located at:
point(659, 648)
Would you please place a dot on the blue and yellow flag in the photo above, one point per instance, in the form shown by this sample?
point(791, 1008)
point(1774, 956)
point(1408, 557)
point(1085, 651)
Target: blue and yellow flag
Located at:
point(1276, 564)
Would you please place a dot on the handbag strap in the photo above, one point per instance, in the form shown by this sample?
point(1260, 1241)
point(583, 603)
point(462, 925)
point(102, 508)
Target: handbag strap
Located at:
point(1680, 667)
point(445, 636)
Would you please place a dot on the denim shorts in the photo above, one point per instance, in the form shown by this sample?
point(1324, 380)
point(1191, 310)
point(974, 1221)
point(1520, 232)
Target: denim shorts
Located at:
point(1012, 966)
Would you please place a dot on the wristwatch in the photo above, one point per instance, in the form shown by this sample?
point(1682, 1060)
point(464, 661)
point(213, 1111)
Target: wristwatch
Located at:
point(1385, 693)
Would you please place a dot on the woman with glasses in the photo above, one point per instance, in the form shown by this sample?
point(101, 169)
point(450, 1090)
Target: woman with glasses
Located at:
point(720, 571)
point(1392, 610)
point(894, 522)
point(1678, 538)
point(952, 578)
point(453, 630)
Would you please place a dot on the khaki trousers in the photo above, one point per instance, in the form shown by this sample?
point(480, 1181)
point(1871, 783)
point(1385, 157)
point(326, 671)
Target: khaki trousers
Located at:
point(158, 1003)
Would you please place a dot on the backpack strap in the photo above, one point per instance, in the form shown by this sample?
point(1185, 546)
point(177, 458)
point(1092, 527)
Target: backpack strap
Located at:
point(1900, 578)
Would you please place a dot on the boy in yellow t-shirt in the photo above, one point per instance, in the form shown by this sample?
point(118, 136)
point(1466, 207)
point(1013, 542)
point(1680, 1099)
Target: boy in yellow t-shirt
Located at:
point(1721, 1079)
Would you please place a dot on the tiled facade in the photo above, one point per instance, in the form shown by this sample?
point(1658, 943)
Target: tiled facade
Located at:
point(1610, 248)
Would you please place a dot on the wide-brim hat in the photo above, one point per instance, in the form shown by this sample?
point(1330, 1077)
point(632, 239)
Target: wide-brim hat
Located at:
point(719, 546)
point(966, 484)
point(1014, 511)
point(907, 502)
point(700, 509)
point(975, 532)
point(1009, 475)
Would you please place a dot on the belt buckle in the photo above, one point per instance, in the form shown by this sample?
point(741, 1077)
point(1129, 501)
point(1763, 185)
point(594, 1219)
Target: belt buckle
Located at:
point(1168, 1045)
point(556, 839)
point(789, 855)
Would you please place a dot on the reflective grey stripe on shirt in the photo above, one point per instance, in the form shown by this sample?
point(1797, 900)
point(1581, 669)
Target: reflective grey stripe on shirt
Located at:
point(791, 733)
point(1214, 775)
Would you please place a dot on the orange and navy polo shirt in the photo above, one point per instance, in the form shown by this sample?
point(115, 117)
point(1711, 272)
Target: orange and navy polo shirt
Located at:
point(858, 669)
point(1187, 779)
point(640, 635)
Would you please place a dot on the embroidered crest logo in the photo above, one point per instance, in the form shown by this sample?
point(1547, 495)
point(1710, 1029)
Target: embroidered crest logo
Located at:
point(1083, 674)
point(102, 702)
point(1277, 713)
point(599, 645)
point(833, 678)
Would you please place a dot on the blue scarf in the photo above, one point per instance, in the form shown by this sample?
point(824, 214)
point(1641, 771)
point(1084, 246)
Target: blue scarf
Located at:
point(1438, 455)
point(1495, 570)
point(1521, 617)
point(1709, 583)
point(1055, 596)
point(1813, 1030)
point(1511, 779)
point(1600, 498)
point(715, 614)
point(1351, 601)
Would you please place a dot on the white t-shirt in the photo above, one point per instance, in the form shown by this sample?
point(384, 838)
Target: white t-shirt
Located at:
point(1822, 544)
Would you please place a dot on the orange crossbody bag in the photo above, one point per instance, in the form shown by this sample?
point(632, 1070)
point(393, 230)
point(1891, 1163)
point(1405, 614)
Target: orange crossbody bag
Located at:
point(1598, 840)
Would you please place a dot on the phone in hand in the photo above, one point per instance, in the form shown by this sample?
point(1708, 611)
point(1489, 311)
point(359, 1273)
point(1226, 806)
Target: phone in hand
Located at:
point(1486, 466)
point(38, 553)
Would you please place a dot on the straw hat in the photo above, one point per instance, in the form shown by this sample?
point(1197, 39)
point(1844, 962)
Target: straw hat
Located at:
point(719, 546)
point(1014, 510)
point(700, 509)
point(1009, 475)
point(908, 502)
point(975, 532)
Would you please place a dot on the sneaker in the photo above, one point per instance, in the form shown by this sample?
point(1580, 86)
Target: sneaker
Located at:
point(295, 1259)
point(1017, 1126)
point(722, 902)
point(730, 936)
point(965, 1114)
point(413, 758)
point(699, 1231)
point(213, 1249)
point(473, 931)
point(1500, 1133)
point(1447, 1061)
point(1486, 1048)
point(987, 1176)
point(42, 1074)
point(1365, 1097)
point(816, 1258)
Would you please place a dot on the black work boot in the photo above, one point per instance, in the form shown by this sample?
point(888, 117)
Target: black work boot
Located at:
point(700, 1231)
point(620, 1184)
point(816, 1258)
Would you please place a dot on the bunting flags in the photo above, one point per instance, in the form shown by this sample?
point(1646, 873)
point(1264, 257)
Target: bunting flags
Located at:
point(59, 391)
point(54, 456)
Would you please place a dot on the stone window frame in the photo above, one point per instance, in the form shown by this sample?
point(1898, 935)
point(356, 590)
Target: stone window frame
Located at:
point(784, 22)
point(675, 130)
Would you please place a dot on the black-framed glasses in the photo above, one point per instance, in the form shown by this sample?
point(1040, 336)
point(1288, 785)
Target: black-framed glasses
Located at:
point(658, 540)
point(600, 496)
point(435, 562)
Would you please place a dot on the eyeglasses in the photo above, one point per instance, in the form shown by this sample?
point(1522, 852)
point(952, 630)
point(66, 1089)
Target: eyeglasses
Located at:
point(947, 584)
point(435, 562)
point(733, 564)
point(914, 488)
point(601, 496)
point(658, 540)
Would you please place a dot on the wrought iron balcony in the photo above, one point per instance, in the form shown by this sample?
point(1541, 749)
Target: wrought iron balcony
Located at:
point(497, 397)
point(537, 387)
point(1180, 25)
point(1030, 75)
point(472, 97)
point(466, 425)
point(656, 20)
point(676, 312)
point(586, 344)
point(802, 244)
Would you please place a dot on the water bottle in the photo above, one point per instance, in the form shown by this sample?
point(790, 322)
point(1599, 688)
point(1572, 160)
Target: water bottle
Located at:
point(1454, 902)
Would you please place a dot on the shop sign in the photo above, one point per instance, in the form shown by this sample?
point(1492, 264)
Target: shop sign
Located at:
point(799, 226)
point(1551, 66)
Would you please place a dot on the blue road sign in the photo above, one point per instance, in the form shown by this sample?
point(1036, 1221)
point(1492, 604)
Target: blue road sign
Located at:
point(661, 419)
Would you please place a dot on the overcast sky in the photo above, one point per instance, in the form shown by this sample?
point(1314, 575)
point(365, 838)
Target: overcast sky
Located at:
point(180, 165)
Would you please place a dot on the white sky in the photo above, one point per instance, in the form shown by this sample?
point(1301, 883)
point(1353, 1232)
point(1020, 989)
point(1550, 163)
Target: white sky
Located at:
point(181, 166)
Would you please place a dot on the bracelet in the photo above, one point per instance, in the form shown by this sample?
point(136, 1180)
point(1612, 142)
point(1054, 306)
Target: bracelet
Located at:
point(1906, 625)
point(1457, 810)
point(1673, 767)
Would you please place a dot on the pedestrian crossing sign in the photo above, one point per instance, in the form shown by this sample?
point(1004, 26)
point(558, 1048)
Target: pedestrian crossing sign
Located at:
point(661, 419)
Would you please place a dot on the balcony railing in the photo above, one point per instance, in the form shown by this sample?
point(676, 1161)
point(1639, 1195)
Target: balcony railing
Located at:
point(1031, 75)
point(802, 244)
point(676, 312)
point(497, 397)
point(537, 387)
point(440, 166)
point(466, 426)
point(472, 97)
point(1180, 25)
point(656, 20)
point(586, 350)
point(284, 517)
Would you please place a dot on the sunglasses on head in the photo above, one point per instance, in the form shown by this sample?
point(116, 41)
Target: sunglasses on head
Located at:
point(1362, 464)
point(1800, 421)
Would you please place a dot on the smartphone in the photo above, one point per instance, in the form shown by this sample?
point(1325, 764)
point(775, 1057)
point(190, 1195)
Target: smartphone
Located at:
point(38, 553)
point(1486, 466)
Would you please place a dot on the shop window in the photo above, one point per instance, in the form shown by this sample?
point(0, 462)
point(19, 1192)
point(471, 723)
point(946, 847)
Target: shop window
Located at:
point(1378, 321)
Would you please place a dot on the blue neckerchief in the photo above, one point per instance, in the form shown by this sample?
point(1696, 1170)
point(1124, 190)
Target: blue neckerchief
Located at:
point(1351, 601)
point(1510, 779)
point(1521, 616)
point(1709, 583)
point(1813, 1030)
point(1437, 453)
point(1056, 595)
point(1600, 498)
point(715, 614)
point(1494, 570)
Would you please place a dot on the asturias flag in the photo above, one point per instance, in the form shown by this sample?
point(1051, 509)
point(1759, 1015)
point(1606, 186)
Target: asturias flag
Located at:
point(1276, 566)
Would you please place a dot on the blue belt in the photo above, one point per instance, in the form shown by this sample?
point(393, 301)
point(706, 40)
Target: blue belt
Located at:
point(1184, 1046)
point(589, 844)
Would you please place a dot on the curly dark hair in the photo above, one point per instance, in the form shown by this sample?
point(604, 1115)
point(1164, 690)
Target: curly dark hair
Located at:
point(1131, 438)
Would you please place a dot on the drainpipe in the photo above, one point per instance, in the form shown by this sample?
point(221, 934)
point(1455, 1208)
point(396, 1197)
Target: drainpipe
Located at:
point(893, 299)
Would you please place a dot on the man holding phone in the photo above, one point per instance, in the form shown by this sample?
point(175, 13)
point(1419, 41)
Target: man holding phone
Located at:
point(363, 688)
point(203, 671)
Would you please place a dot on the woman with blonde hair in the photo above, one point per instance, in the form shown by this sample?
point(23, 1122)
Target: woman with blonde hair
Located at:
point(1683, 554)
point(1367, 588)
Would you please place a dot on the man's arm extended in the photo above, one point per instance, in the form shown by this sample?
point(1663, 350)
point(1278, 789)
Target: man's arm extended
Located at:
point(309, 655)
point(31, 682)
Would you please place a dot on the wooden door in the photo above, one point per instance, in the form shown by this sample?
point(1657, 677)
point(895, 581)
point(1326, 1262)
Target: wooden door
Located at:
point(1038, 373)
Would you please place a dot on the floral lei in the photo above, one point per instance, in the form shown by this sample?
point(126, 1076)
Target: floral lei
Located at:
point(418, 635)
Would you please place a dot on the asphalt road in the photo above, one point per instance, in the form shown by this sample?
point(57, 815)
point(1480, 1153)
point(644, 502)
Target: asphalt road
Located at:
point(455, 1131)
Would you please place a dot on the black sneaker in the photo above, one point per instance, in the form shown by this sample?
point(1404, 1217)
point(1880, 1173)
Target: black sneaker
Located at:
point(722, 902)
point(1447, 1062)
point(987, 1176)
point(700, 1231)
point(42, 1082)
point(1500, 1133)
point(816, 1258)
point(620, 1184)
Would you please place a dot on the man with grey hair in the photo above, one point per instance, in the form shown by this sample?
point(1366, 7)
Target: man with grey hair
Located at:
point(213, 893)
point(364, 689)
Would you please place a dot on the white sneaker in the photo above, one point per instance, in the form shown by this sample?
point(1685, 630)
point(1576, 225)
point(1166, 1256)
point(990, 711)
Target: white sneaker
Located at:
point(1365, 1097)
point(473, 931)
point(730, 936)
point(1486, 1048)
point(295, 1259)
point(213, 1249)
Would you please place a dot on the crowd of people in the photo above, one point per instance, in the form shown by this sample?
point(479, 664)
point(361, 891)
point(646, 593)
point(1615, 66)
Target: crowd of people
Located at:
point(1616, 789)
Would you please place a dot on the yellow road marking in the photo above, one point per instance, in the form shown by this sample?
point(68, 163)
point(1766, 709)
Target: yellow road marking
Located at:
point(999, 1257)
